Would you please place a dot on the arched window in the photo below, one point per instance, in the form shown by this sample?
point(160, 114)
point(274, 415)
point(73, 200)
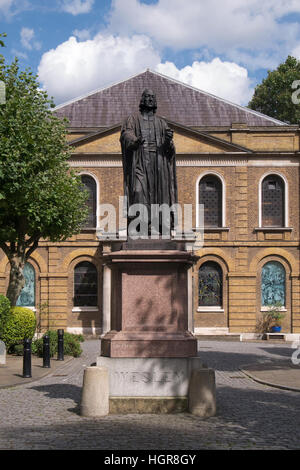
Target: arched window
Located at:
point(210, 195)
point(27, 296)
point(85, 285)
point(273, 201)
point(91, 187)
point(273, 284)
point(210, 285)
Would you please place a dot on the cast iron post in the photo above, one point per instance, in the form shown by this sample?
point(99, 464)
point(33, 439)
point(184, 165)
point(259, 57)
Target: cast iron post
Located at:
point(60, 345)
point(46, 351)
point(27, 358)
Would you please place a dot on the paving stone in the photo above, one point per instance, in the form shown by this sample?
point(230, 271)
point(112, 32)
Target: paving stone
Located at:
point(45, 414)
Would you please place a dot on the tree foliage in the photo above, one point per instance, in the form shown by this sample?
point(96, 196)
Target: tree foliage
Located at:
point(273, 96)
point(39, 196)
point(2, 35)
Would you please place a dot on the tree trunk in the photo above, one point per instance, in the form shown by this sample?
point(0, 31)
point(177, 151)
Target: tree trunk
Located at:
point(16, 279)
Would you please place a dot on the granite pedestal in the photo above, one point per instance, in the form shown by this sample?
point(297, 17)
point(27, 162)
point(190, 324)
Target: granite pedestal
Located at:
point(149, 350)
point(149, 302)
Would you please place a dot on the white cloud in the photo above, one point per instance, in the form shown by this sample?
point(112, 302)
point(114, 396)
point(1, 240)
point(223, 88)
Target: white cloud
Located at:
point(224, 79)
point(82, 34)
point(230, 25)
point(19, 54)
point(27, 35)
point(75, 68)
point(9, 8)
point(296, 52)
point(76, 7)
point(78, 67)
point(5, 6)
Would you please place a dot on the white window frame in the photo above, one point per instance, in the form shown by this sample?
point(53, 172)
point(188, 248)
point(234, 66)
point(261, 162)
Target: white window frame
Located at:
point(213, 173)
point(93, 308)
point(286, 195)
point(87, 173)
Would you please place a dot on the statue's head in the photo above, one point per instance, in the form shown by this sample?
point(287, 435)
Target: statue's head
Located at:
point(148, 101)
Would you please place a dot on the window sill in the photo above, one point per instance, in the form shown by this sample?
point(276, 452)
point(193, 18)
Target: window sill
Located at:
point(26, 306)
point(212, 229)
point(210, 309)
point(267, 309)
point(273, 229)
point(85, 309)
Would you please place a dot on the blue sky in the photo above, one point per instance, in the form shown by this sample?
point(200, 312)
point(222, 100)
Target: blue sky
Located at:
point(223, 47)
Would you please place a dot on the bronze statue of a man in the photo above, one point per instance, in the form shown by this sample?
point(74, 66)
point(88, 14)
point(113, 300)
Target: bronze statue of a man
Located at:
point(148, 157)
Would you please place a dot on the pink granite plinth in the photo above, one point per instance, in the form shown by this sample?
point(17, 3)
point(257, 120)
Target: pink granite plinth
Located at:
point(149, 304)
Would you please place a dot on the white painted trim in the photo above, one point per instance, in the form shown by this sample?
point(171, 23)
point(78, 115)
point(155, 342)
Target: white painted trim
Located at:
point(85, 309)
point(210, 309)
point(192, 160)
point(26, 306)
point(212, 331)
point(84, 330)
point(88, 173)
point(286, 198)
point(215, 173)
point(265, 308)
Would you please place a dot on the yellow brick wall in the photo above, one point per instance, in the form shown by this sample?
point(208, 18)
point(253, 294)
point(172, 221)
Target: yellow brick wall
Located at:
point(241, 251)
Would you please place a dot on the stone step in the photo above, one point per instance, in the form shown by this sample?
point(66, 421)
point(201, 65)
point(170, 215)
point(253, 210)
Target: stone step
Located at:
point(230, 337)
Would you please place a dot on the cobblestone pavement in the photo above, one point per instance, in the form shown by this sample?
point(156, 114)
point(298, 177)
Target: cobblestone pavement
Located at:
point(44, 414)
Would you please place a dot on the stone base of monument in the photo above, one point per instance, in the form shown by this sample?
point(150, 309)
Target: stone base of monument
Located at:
point(159, 385)
point(148, 348)
point(148, 344)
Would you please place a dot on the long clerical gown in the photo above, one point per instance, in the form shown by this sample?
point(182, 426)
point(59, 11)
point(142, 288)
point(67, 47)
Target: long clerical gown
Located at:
point(149, 169)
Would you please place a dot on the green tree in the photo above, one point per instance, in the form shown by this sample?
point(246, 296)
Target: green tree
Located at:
point(2, 35)
point(273, 96)
point(39, 196)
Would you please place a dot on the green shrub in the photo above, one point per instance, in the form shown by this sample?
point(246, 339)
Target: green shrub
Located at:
point(71, 344)
point(17, 349)
point(4, 312)
point(20, 324)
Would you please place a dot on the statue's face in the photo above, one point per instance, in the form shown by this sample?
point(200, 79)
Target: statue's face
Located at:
point(148, 99)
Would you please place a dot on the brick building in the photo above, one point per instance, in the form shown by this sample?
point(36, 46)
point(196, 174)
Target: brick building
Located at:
point(243, 166)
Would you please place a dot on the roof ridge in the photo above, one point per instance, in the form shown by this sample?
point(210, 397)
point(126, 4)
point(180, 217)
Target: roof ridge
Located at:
point(238, 112)
point(244, 108)
point(97, 90)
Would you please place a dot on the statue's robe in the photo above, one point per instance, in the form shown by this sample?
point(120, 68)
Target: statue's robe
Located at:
point(149, 169)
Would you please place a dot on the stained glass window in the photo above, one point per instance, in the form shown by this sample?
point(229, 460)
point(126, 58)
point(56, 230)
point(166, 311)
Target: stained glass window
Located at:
point(210, 195)
point(27, 296)
point(272, 284)
point(210, 285)
point(90, 186)
point(273, 201)
point(85, 285)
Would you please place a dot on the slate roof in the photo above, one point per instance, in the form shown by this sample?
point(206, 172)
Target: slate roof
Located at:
point(176, 102)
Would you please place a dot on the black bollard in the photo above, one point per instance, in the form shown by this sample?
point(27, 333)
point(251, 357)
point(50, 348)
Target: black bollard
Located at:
point(27, 358)
point(60, 345)
point(46, 352)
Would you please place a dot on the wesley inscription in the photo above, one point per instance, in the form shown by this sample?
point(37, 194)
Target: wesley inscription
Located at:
point(149, 377)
